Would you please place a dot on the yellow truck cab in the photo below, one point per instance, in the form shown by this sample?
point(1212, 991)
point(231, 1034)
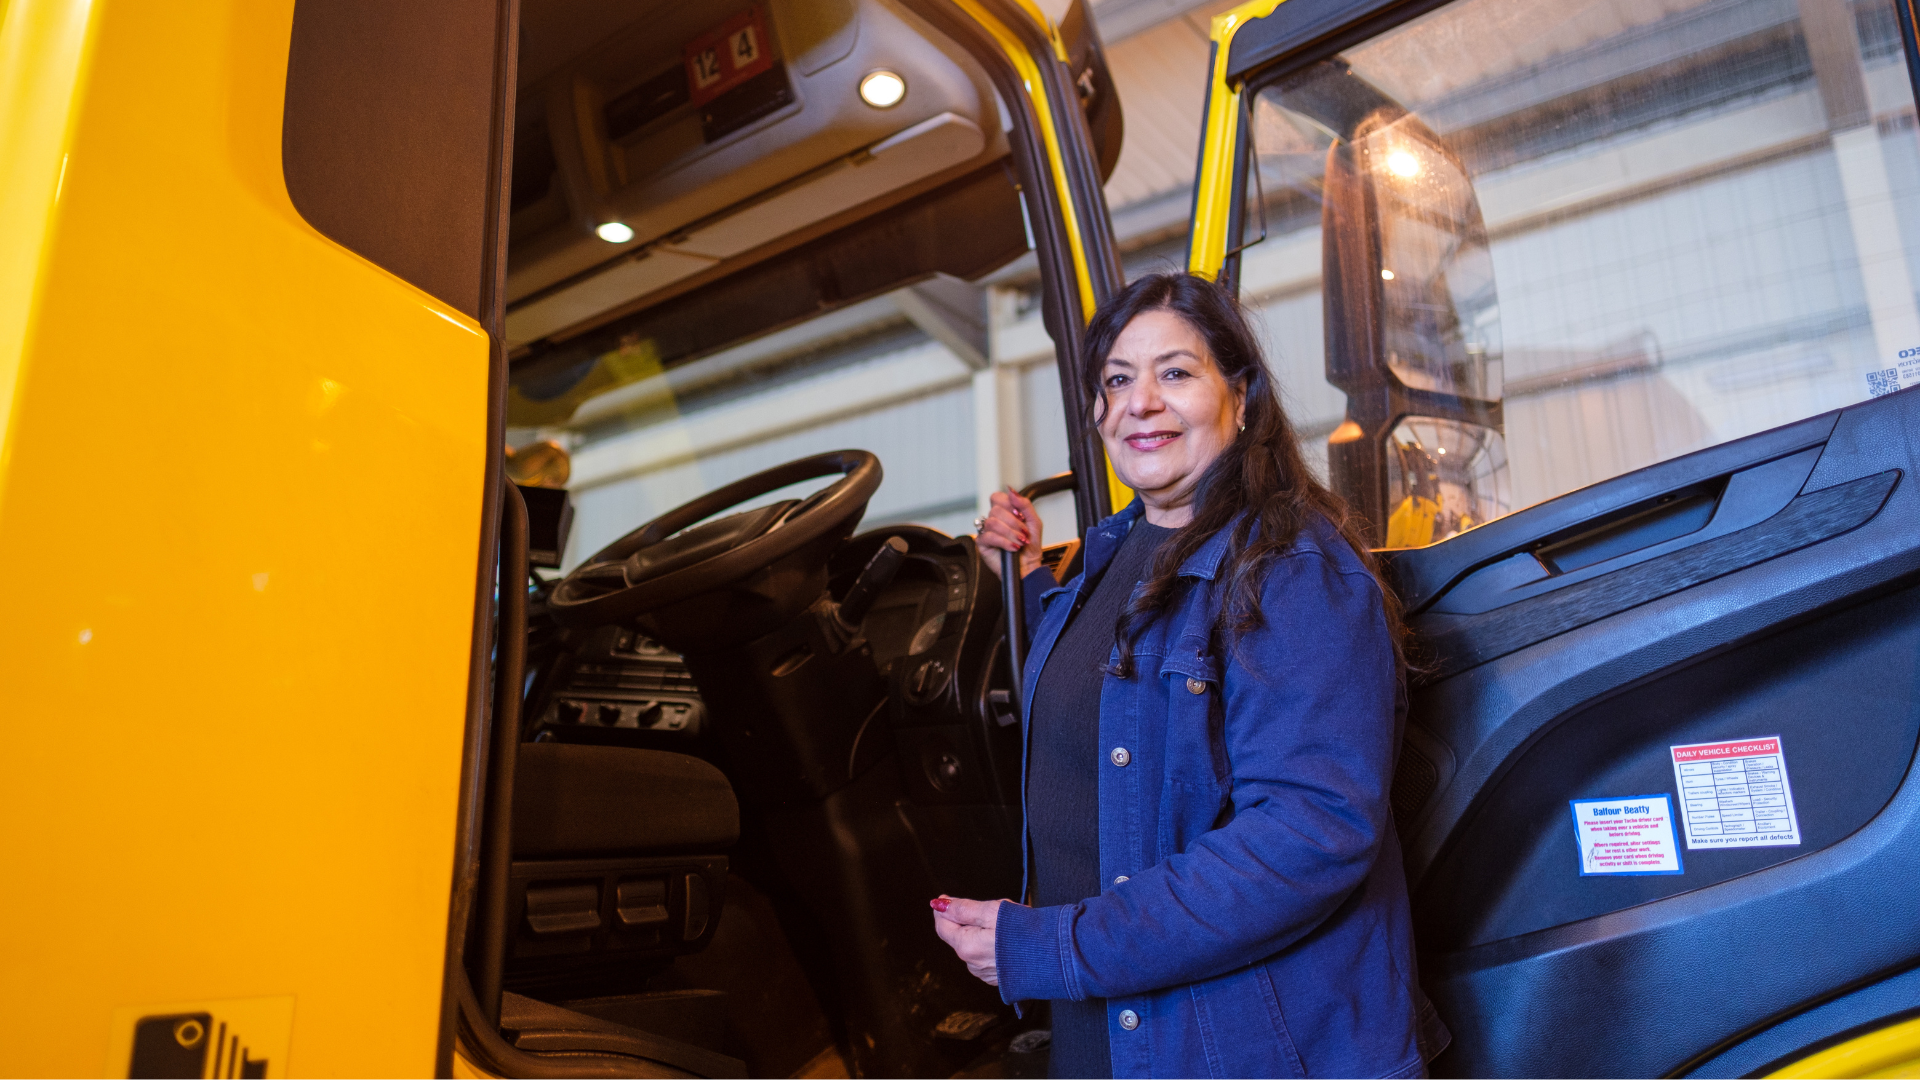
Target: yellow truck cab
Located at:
point(461, 622)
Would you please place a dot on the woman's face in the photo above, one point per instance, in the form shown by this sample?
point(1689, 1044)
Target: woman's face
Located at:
point(1170, 412)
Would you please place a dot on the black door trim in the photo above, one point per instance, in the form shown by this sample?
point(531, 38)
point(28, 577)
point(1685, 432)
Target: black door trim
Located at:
point(1061, 309)
point(1300, 32)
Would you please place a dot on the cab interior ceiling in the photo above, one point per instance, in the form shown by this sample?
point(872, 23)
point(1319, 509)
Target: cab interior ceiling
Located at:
point(782, 197)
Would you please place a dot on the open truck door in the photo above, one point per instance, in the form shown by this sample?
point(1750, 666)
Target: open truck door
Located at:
point(280, 278)
point(248, 357)
point(1543, 288)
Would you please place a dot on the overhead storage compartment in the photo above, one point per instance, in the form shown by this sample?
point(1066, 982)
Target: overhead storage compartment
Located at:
point(711, 132)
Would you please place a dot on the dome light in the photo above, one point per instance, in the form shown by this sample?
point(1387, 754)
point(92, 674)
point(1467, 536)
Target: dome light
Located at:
point(882, 89)
point(614, 232)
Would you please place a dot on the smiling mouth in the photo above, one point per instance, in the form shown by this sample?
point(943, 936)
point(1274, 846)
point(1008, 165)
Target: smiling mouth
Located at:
point(1151, 440)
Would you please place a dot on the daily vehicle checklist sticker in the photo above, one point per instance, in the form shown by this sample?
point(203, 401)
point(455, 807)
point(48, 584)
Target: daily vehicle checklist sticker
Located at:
point(1735, 794)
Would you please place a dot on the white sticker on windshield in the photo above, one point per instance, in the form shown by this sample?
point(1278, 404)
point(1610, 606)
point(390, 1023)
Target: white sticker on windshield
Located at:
point(1626, 836)
point(1735, 794)
point(1905, 372)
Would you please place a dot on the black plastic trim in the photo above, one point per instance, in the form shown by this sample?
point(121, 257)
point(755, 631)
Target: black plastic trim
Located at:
point(1857, 884)
point(1842, 913)
point(509, 680)
point(1420, 575)
point(1488, 714)
point(1300, 32)
point(1461, 642)
point(492, 316)
point(1909, 19)
point(1237, 212)
point(1086, 189)
point(573, 1033)
point(500, 1058)
point(1834, 1021)
point(1080, 160)
point(1200, 151)
point(1086, 51)
point(1060, 305)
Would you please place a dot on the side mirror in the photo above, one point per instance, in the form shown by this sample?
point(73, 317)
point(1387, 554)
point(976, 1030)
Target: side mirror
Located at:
point(541, 471)
point(1412, 316)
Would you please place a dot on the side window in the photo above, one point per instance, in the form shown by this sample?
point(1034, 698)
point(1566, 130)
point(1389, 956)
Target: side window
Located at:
point(1515, 247)
point(389, 121)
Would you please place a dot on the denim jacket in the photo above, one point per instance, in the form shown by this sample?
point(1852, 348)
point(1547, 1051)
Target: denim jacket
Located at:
point(1254, 918)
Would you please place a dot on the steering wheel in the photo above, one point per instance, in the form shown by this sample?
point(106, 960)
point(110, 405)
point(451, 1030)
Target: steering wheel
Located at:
point(657, 564)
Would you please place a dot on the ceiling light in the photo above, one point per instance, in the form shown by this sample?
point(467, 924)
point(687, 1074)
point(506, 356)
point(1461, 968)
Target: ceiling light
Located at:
point(882, 89)
point(1386, 275)
point(1403, 164)
point(613, 232)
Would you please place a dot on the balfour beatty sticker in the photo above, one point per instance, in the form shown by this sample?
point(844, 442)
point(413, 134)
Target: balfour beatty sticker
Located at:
point(1736, 794)
point(1905, 372)
point(1626, 836)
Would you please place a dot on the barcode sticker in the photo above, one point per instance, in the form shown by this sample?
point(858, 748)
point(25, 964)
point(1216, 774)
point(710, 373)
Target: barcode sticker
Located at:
point(1905, 372)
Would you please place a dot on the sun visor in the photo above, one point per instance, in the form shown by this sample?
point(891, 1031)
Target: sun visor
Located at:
point(922, 150)
point(926, 148)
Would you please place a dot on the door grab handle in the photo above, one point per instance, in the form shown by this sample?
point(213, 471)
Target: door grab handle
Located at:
point(1013, 594)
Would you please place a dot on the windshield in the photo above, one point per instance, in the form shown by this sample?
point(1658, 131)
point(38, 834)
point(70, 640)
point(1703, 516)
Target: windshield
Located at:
point(1515, 247)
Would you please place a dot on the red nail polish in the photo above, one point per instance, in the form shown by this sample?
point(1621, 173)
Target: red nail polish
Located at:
point(939, 904)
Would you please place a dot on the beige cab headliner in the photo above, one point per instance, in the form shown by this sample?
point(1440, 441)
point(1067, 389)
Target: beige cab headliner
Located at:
point(698, 207)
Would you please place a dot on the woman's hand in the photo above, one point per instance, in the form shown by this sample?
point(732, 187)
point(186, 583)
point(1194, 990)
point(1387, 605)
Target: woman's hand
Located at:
point(967, 925)
point(1012, 525)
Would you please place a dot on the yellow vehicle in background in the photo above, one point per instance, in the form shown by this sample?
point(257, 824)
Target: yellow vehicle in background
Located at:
point(1599, 313)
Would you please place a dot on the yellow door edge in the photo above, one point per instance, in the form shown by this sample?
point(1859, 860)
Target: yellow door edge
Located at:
point(1214, 182)
point(44, 50)
point(1118, 493)
point(1036, 88)
point(1053, 32)
point(1890, 1051)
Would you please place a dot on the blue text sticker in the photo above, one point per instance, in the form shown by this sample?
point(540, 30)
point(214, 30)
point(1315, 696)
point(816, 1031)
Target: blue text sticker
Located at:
point(1630, 836)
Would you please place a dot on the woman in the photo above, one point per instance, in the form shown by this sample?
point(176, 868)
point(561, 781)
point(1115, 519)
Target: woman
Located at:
point(1213, 709)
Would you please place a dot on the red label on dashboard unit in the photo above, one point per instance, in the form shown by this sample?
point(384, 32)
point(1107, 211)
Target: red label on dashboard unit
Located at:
point(728, 55)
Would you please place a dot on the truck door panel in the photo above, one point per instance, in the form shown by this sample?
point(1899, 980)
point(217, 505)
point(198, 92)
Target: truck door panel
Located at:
point(1659, 568)
point(234, 763)
point(1803, 636)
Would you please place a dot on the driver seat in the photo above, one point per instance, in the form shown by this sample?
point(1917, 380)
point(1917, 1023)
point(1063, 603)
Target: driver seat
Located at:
point(618, 863)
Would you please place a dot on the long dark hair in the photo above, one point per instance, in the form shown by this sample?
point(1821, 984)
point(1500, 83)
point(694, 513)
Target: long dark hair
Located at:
point(1261, 472)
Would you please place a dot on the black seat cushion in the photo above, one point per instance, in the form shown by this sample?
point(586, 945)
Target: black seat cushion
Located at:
point(581, 801)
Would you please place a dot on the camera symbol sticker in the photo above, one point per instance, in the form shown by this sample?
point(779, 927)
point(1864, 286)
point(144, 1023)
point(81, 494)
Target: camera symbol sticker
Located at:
point(240, 1038)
